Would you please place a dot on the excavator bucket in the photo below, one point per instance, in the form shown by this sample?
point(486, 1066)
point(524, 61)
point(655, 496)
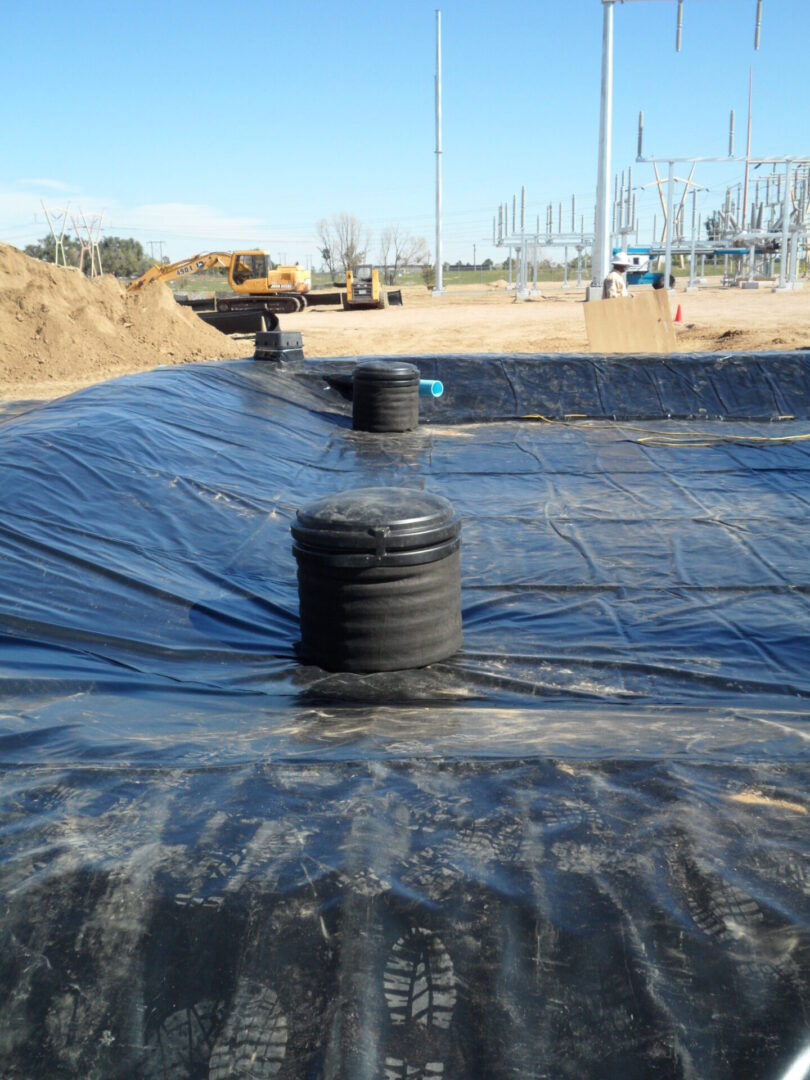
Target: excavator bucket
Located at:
point(395, 297)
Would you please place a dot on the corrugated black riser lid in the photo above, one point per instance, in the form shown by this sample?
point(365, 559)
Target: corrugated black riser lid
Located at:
point(376, 520)
point(386, 371)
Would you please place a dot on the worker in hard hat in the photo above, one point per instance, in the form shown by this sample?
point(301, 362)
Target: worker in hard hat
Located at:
point(615, 283)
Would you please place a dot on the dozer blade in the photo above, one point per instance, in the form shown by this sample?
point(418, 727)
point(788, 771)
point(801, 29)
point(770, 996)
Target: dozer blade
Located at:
point(240, 322)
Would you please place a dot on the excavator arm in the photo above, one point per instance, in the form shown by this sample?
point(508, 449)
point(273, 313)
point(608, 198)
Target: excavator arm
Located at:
point(169, 271)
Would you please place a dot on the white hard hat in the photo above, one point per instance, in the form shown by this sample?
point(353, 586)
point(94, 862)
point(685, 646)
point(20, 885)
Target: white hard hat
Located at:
point(621, 259)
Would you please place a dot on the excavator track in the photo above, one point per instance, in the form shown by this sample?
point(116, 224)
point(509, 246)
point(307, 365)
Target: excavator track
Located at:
point(278, 305)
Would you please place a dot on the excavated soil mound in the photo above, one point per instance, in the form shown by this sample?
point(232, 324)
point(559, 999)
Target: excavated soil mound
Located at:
point(57, 326)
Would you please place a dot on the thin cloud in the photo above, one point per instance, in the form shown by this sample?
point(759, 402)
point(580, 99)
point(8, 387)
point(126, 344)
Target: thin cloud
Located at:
point(50, 185)
point(180, 228)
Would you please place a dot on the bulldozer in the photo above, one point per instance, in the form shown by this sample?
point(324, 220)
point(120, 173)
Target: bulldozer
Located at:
point(363, 290)
point(254, 285)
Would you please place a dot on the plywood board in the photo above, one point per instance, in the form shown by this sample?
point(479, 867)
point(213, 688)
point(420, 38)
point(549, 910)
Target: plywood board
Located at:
point(641, 323)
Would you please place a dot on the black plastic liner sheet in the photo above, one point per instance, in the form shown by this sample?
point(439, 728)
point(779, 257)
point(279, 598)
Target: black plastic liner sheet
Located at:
point(577, 849)
point(704, 386)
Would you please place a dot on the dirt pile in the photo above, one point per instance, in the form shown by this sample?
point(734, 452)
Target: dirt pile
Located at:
point(57, 326)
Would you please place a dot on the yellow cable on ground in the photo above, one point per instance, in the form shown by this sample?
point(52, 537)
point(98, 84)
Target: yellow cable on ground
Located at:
point(697, 439)
point(688, 439)
point(546, 420)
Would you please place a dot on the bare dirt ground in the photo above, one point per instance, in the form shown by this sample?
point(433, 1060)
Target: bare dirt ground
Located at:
point(469, 319)
point(60, 332)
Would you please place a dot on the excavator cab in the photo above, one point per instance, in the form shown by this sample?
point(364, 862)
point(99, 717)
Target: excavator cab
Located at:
point(248, 272)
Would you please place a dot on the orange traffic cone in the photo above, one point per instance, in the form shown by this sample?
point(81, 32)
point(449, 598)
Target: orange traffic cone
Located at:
point(679, 314)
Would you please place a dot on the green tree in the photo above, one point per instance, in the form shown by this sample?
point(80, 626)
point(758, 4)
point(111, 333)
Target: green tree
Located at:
point(44, 249)
point(123, 257)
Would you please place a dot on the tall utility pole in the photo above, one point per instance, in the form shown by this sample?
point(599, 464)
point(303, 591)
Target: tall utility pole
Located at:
point(783, 256)
point(438, 286)
point(601, 243)
point(744, 216)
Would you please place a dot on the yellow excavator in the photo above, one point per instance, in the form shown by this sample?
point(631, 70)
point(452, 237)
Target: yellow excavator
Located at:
point(254, 284)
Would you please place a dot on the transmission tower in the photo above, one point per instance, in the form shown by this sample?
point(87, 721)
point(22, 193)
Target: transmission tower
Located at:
point(89, 235)
point(57, 219)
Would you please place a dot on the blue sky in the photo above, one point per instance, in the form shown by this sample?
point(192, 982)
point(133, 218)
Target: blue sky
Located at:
point(217, 126)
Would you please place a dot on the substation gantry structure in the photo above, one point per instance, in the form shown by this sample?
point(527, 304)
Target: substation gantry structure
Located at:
point(520, 242)
point(761, 218)
point(602, 225)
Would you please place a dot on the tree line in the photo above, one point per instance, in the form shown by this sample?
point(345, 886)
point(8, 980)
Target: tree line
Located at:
point(121, 256)
point(345, 243)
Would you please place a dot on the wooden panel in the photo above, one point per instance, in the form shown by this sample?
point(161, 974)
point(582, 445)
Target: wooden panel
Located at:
point(641, 323)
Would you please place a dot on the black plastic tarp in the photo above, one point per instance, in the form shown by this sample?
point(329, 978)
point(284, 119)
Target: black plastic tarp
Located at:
point(577, 849)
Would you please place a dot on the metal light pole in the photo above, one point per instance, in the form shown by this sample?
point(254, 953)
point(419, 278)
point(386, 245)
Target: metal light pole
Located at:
point(783, 256)
point(601, 244)
point(670, 224)
point(438, 286)
point(693, 254)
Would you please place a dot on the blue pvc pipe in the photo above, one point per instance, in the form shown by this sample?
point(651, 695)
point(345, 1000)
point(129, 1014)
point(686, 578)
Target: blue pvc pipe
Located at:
point(430, 388)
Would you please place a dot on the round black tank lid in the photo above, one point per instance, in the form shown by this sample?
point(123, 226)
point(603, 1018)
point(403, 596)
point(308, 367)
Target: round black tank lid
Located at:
point(376, 520)
point(395, 371)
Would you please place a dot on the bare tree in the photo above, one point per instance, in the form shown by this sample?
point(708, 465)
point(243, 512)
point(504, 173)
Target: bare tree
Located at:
point(407, 250)
point(344, 242)
point(352, 239)
point(386, 241)
point(328, 245)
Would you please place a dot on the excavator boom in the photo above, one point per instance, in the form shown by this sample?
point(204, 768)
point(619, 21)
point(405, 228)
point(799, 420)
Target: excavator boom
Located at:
point(170, 271)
